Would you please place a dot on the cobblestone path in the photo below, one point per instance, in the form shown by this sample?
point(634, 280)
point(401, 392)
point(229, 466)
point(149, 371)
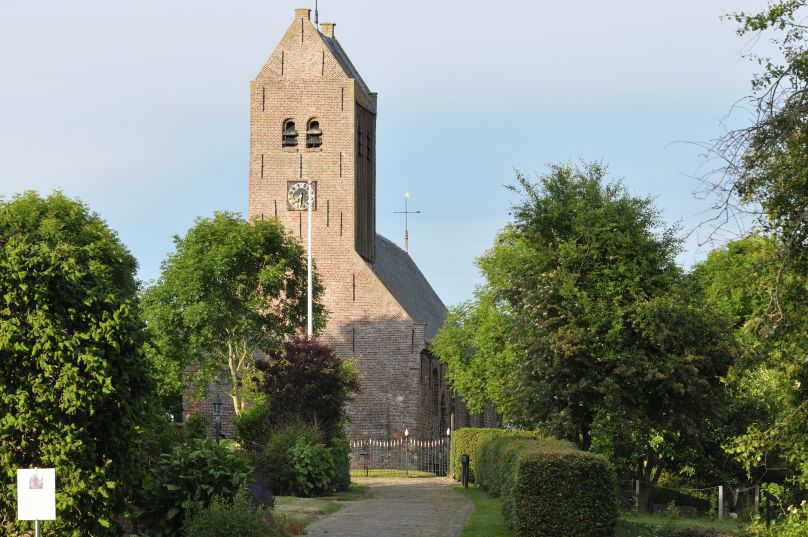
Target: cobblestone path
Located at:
point(399, 507)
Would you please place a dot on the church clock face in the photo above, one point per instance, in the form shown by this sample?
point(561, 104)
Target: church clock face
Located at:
point(297, 195)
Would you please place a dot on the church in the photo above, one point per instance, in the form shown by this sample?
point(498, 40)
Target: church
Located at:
point(313, 119)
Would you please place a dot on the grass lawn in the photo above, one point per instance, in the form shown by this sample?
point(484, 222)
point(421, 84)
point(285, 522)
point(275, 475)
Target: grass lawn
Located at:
point(486, 519)
point(295, 513)
point(390, 473)
point(648, 525)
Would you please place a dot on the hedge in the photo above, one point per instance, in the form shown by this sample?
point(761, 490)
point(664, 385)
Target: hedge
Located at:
point(548, 488)
point(468, 439)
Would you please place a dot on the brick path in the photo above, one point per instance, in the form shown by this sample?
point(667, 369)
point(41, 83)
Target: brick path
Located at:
point(399, 507)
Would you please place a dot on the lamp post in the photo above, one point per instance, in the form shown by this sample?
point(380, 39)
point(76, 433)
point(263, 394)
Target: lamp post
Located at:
point(217, 415)
point(407, 451)
point(449, 451)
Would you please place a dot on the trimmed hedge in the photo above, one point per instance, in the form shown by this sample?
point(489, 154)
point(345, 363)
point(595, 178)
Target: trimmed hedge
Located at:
point(548, 488)
point(468, 440)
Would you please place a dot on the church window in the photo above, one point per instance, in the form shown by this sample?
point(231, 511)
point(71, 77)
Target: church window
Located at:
point(289, 134)
point(314, 136)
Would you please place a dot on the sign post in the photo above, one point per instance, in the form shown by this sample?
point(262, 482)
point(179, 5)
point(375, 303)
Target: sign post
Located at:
point(36, 495)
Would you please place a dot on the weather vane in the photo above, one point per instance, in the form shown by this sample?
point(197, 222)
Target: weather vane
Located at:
point(406, 214)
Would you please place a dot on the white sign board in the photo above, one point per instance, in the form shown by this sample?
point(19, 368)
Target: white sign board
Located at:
point(36, 494)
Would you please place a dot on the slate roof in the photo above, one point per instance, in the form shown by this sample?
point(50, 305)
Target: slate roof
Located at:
point(345, 62)
point(399, 273)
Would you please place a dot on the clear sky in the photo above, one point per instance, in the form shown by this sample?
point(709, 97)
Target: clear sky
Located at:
point(141, 108)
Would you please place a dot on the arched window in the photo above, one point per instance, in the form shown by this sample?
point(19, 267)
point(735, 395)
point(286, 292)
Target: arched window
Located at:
point(314, 136)
point(289, 134)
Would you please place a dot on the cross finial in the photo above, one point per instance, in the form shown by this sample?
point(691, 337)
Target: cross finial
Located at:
point(406, 214)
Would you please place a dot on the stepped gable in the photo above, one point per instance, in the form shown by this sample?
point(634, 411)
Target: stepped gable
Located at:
point(402, 277)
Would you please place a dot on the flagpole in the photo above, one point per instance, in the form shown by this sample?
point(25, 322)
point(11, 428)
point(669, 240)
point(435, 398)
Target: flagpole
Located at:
point(309, 299)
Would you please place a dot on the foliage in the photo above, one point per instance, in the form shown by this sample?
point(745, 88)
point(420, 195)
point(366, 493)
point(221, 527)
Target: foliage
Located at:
point(261, 492)
point(74, 383)
point(308, 381)
point(231, 287)
point(186, 480)
point(254, 425)
point(315, 472)
point(341, 453)
point(536, 480)
point(196, 426)
point(467, 441)
point(793, 524)
point(585, 327)
point(226, 519)
point(768, 409)
point(274, 460)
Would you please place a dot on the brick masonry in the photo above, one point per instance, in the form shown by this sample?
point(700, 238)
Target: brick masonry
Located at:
point(309, 77)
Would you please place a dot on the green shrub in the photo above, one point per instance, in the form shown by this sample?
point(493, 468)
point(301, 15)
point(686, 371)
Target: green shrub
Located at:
point(315, 474)
point(549, 488)
point(468, 439)
point(186, 480)
point(254, 425)
point(196, 427)
point(341, 452)
point(228, 519)
point(274, 461)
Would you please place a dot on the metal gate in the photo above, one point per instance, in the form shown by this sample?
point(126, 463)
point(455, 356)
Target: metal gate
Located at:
point(400, 458)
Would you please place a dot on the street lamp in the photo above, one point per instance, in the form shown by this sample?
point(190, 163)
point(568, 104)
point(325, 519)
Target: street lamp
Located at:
point(217, 414)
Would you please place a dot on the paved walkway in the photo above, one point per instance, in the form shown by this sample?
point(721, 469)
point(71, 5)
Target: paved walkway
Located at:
point(399, 507)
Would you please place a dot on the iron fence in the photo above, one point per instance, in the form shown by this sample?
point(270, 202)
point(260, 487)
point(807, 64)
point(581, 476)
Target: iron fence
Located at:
point(400, 458)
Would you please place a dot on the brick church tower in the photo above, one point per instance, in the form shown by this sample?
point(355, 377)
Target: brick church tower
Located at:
point(313, 118)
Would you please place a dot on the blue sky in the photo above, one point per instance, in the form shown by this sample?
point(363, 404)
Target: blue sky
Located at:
point(141, 108)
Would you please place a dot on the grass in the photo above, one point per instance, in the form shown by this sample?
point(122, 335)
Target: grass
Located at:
point(294, 513)
point(390, 473)
point(486, 519)
point(648, 525)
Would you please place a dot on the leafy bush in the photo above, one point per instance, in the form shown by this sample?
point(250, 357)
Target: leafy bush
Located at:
point(548, 488)
point(793, 524)
point(261, 492)
point(196, 427)
point(254, 425)
point(698, 531)
point(74, 381)
point(315, 474)
point(308, 381)
point(341, 452)
point(274, 461)
point(228, 519)
point(186, 480)
point(468, 439)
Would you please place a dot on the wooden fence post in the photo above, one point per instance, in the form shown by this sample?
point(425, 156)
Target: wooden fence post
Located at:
point(720, 502)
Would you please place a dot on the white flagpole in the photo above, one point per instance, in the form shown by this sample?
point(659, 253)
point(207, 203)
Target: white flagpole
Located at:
point(309, 300)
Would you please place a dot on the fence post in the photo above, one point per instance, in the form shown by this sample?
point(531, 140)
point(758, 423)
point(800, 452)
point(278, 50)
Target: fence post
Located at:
point(720, 502)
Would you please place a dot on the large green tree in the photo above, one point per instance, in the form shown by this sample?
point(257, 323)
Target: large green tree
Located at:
point(230, 289)
point(764, 172)
point(74, 381)
point(583, 327)
point(766, 302)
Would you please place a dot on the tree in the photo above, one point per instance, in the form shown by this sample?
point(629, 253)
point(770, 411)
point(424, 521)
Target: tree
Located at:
point(307, 380)
point(583, 328)
point(768, 386)
point(230, 289)
point(764, 171)
point(74, 383)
